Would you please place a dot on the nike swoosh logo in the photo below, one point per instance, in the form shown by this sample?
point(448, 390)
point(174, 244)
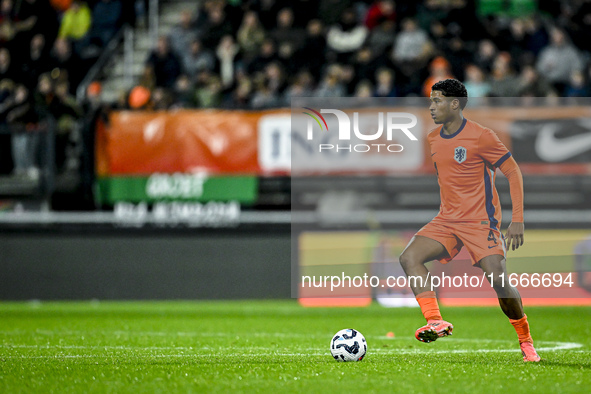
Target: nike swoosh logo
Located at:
point(433, 154)
point(494, 246)
point(552, 149)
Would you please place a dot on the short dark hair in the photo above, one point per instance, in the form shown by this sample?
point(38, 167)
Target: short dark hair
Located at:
point(453, 88)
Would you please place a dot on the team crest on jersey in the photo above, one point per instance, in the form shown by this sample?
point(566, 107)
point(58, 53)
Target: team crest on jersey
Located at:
point(460, 154)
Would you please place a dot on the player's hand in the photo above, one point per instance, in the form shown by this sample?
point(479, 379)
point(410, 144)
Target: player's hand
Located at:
point(514, 235)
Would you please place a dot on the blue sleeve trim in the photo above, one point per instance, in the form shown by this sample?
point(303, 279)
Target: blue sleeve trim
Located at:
point(502, 159)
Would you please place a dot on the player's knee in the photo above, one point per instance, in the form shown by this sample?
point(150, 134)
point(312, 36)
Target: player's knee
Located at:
point(408, 260)
point(499, 281)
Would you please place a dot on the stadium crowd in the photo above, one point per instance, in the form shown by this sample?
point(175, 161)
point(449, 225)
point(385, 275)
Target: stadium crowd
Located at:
point(241, 54)
point(253, 54)
point(46, 48)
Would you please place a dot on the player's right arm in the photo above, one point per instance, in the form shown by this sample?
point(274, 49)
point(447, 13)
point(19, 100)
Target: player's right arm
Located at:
point(515, 231)
point(495, 152)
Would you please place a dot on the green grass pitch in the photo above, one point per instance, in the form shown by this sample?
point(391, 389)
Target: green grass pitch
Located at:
point(278, 346)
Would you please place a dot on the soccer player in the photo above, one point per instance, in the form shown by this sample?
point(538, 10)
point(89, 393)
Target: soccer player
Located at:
point(466, 155)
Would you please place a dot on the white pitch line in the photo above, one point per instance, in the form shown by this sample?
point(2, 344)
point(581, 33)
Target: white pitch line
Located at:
point(551, 346)
point(160, 333)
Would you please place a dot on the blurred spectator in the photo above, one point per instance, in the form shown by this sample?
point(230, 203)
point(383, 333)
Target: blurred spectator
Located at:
point(330, 11)
point(430, 12)
point(439, 70)
point(197, 59)
point(8, 69)
point(285, 55)
point(559, 60)
point(461, 20)
point(161, 99)
point(538, 36)
point(6, 88)
point(475, 82)
point(251, 35)
point(347, 77)
point(303, 86)
point(267, 54)
point(35, 61)
point(314, 48)
point(458, 56)
point(147, 79)
point(347, 36)
point(226, 53)
point(331, 85)
point(382, 38)
point(379, 12)
point(65, 64)
point(8, 25)
point(263, 96)
point(240, 97)
point(504, 82)
point(209, 91)
point(285, 32)
point(275, 78)
point(216, 25)
point(184, 93)
point(515, 40)
point(165, 64)
point(184, 33)
point(532, 84)
point(580, 26)
point(76, 24)
point(411, 53)
point(44, 95)
point(6, 101)
point(67, 113)
point(364, 89)
point(410, 43)
point(384, 83)
point(24, 143)
point(577, 86)
point(36, 17)
point(485, 56)
point(438, 35)
point(267, 12)
point(365, 65)
point(106, 20)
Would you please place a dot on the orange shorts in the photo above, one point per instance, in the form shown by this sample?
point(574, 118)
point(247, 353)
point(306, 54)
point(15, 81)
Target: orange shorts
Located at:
point(478, 237)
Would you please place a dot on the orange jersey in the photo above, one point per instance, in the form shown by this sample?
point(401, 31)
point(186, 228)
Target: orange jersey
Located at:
point(465, 163)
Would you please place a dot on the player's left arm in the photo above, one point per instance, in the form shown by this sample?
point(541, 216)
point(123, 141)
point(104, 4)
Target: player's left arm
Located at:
point(516, 229)
point(494, 151)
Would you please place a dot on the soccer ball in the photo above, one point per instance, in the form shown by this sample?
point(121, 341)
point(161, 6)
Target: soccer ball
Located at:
point(348, 345)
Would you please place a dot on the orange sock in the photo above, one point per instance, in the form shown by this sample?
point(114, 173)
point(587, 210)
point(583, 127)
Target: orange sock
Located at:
point(522, 328)
point(428, 303)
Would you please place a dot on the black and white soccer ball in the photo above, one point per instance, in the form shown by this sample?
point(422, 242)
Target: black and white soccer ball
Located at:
point(348, 345)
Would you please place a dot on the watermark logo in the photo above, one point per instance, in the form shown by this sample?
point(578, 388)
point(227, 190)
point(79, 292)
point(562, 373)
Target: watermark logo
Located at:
point(316, 119)
point(389, 125)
